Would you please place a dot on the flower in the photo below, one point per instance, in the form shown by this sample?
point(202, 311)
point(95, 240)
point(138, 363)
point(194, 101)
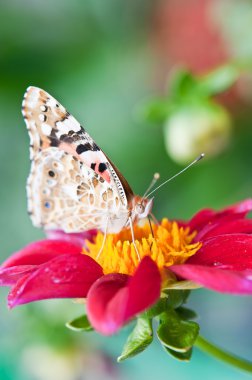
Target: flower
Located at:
point(213, 249)
point(224, 261)
point(56, 269)
point(171, 244)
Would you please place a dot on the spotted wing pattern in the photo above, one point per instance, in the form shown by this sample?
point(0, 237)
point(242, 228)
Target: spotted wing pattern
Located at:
point(65, 193)
point(50, 125)
point(72, 185)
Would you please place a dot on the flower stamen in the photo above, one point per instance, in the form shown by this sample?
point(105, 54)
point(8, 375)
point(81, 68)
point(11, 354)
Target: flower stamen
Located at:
point(170, 245)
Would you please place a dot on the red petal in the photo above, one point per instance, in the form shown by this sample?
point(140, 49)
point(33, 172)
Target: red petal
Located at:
point(116, 298)
point(206, 216)
point(200, 219)
point(232, 251)
point(220, 280)
point(226, 227)
point(66, 276)
point(100, 298)
point(9, 276)
point(41, 251)
point(144, 287)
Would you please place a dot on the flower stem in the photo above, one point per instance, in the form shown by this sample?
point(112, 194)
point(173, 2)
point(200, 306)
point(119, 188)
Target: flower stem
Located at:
point(225, 356)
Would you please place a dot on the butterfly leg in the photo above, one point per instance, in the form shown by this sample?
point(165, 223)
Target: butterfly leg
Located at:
point(151, 229)
point(104, 240)
point(133, 238)
point(155, 219)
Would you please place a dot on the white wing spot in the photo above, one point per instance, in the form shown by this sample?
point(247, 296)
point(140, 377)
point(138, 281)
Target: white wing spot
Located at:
point(51, 102)
point(41, 117)
point(46, 129)
point(69, 124)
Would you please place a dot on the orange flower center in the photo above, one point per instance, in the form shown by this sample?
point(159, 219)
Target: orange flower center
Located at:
point(170, 245)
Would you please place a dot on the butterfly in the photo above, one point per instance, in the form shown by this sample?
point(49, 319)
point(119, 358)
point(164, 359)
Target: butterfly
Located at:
point(73, 185)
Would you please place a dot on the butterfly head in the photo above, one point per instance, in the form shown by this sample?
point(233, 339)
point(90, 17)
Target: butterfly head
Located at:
point(142, 207)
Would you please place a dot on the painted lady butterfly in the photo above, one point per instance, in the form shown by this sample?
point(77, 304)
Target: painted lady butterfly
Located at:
point(73, 185)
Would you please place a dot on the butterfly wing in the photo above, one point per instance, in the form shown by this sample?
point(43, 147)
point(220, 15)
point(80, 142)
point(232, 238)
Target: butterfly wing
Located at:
point(63, 193)
point(50, 125)
point(72, 184)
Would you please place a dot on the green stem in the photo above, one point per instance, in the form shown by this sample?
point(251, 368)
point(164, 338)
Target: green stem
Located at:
point(220, 354)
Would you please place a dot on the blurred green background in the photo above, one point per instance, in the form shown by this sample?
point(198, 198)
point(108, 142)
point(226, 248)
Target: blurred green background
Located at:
point(102, 59)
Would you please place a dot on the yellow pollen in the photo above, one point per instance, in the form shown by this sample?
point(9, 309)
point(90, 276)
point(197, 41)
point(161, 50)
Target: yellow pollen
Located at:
point(170, 245)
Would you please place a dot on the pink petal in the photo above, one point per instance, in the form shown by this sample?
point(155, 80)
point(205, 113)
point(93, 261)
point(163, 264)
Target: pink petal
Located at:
point(232, 251)
point(41, 251)
point(220, 280)
point(66, 276)
point(206, 216)
point(231, 226)
point(76, 238)
point(116, 298)
point(144, 287)
point(201, 219)
point(9, 276)
point(242, 207)
point(100, 298)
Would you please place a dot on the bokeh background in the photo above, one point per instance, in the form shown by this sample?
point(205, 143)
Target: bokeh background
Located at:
point(102, 60)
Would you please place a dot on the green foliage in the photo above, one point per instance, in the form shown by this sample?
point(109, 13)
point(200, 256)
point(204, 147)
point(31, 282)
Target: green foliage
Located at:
point(172, 299)
point(157, 309)
point(186, 314)
point(175, 333)
point(219, 80)
point(176, 298)
point(182, 356)
point(140, 338)
point(156, 110)
point(80, 324)
point(186, 90)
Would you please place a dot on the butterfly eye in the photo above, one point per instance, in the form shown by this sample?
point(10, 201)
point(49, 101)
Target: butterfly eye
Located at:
point(140, 208)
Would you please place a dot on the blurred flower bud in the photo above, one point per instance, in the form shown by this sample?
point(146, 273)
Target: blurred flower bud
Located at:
point(193, 121)
point(191, 130)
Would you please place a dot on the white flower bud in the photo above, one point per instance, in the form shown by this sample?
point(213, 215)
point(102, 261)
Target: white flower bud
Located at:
point(191, 130)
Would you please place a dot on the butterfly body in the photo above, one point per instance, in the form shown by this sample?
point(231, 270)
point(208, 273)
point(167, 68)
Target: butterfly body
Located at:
point(73, 185)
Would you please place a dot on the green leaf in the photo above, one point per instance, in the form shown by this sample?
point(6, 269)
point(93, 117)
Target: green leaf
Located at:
point(157, 309)
point(155, 111)
point(80, 324)
point(176, 298)
point(182, 83)
point(182, 285)
point(181, 356)
point(186, 314)
point(219, 80)
point(175, 333)
point(140, 338)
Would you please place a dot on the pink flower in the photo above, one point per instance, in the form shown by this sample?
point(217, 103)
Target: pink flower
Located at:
point(224, 262)
point(57, 269)
point(218, 256)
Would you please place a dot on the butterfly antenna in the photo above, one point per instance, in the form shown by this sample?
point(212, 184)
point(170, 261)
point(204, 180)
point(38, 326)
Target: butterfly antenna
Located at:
point(176, 175)
point(155, 178)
